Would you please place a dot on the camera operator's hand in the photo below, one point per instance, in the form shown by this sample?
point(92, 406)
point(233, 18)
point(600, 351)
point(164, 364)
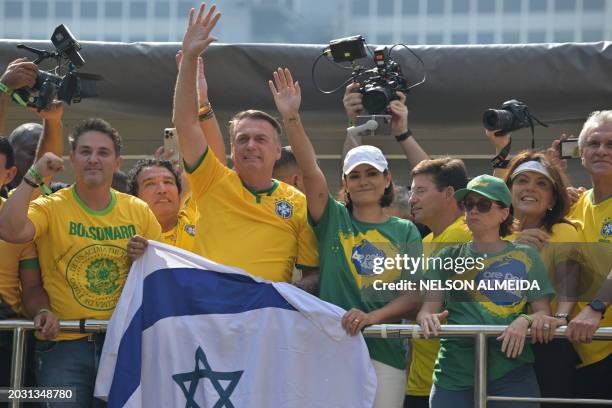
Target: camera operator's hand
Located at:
point(352, 101)
point(20, 73)
point(197, 37)
point(399, 115)
point(286, 93)
point(55, 111)
point(49, 165)
point(554, 152)
point(201, 81)
point(498, 141)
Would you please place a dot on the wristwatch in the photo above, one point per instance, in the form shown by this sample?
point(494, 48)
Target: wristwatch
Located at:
point(598, 306)
point(562, 316)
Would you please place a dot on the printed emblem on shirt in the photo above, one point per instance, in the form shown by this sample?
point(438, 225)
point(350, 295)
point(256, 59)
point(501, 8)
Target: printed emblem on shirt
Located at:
point(506, 269)
point(606, 228)
point(190, 229)
point(284, 209)
point(363, 256)
point(96, 275)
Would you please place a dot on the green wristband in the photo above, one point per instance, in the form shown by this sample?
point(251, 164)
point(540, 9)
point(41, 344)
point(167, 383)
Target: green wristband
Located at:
point(528, 318)
point(6, 89)
point(37, 178)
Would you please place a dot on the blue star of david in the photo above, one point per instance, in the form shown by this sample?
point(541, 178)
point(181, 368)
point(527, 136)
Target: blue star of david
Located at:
point(193, 378)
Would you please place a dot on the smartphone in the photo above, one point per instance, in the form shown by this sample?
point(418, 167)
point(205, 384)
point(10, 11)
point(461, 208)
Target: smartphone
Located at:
point(569, 149)
point(171, 143)
point(383, 121)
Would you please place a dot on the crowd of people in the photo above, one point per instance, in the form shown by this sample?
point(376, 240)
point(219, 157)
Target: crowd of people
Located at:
point(66, 249)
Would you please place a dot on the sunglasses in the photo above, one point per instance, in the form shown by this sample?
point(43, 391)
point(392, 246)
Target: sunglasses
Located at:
point(483, 206)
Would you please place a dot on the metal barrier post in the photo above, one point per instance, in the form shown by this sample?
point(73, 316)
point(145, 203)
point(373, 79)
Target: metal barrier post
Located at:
point(480, 374)
point(18, 361)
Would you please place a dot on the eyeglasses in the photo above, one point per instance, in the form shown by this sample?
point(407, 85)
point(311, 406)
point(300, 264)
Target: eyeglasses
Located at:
point(483, 206)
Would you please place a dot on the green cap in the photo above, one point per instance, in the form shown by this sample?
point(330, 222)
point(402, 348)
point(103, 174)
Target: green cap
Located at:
point(488, 186)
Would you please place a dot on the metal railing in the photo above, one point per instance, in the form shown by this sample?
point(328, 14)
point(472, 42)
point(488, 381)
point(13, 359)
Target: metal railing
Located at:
point(479, 333)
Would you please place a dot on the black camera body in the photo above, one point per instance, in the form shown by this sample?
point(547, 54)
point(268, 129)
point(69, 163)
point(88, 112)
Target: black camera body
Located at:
point(513, 115)
point(380, 89)
point(50, 86)
point(379, 84)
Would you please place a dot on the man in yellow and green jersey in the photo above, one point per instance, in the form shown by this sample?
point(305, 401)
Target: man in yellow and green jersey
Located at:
point(81, 234)
point(434, 183)
point(247, 219)
point(594, 211)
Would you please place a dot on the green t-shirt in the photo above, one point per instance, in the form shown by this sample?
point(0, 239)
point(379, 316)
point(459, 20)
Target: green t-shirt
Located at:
point(347, 250)
point(487, 305)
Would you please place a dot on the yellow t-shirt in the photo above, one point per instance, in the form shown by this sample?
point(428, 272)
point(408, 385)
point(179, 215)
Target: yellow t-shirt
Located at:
point(596, 220)
point(82, 252)
point(263, 232)
point(563, 245)
point(183, 235)
point(425, 352)
point(14, 257)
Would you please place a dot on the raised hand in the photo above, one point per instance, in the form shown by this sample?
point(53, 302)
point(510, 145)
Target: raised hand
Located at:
point(49, 165)
point(399, 115)
point(197, 37)
point(55, 111)
point(20, 73)
point(287, 94)
point(352, 101)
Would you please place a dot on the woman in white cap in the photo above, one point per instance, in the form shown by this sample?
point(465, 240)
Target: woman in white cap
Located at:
point(353, 237)
point(540, 205)
point(506, 277)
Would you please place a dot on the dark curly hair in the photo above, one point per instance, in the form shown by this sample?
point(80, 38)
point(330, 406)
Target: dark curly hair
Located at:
point(141, 164)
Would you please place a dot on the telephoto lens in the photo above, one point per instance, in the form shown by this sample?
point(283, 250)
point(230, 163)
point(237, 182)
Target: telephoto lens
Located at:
point(498, 119)
point(376, 99)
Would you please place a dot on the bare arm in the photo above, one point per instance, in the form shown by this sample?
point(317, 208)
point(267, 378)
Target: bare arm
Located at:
point(15, 226)
point(36, 303)
point(287, 96)
point(197, 38)
point(399, 125)
point(209, 125)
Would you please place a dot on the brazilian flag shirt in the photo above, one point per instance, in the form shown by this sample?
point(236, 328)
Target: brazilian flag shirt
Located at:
point(347, 252)
point(83, 252)
point(489, 305)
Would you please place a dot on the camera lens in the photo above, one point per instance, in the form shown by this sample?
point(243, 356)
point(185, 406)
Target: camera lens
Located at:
point(376, 99)
point(494, 119)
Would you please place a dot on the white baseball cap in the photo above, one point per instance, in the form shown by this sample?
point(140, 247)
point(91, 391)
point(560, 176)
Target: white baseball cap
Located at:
point(364, 155)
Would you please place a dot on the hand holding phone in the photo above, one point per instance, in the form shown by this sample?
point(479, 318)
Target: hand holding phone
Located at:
point(171, 145)
point(569, 149)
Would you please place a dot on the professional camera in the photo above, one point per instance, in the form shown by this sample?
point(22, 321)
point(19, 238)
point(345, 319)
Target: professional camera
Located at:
point(53, 85)
point(513, 115)
point(379, 84)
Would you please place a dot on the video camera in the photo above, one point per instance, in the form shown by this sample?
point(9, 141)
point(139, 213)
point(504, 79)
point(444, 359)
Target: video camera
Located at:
point(52, 85)
point(379, 84)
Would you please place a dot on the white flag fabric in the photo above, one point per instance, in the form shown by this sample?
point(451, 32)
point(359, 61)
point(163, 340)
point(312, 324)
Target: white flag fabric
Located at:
point(188, 332)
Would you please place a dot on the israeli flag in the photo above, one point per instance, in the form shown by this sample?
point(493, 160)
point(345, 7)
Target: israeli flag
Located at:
point(188, 332)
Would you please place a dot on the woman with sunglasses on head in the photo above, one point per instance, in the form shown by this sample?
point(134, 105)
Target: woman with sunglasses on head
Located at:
point(540, 204)
point(353, 235)
point(496, 298)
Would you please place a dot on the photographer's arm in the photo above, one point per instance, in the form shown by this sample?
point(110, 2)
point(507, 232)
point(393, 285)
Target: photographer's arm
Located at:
point(192, 141)
point(499, 142)
point(52, 139)
point(287, 96)
point(352, 107)
point(18, 74)
point(399, 126)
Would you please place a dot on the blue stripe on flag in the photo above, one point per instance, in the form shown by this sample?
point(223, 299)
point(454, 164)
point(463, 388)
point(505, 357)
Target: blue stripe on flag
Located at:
point(182, 292)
